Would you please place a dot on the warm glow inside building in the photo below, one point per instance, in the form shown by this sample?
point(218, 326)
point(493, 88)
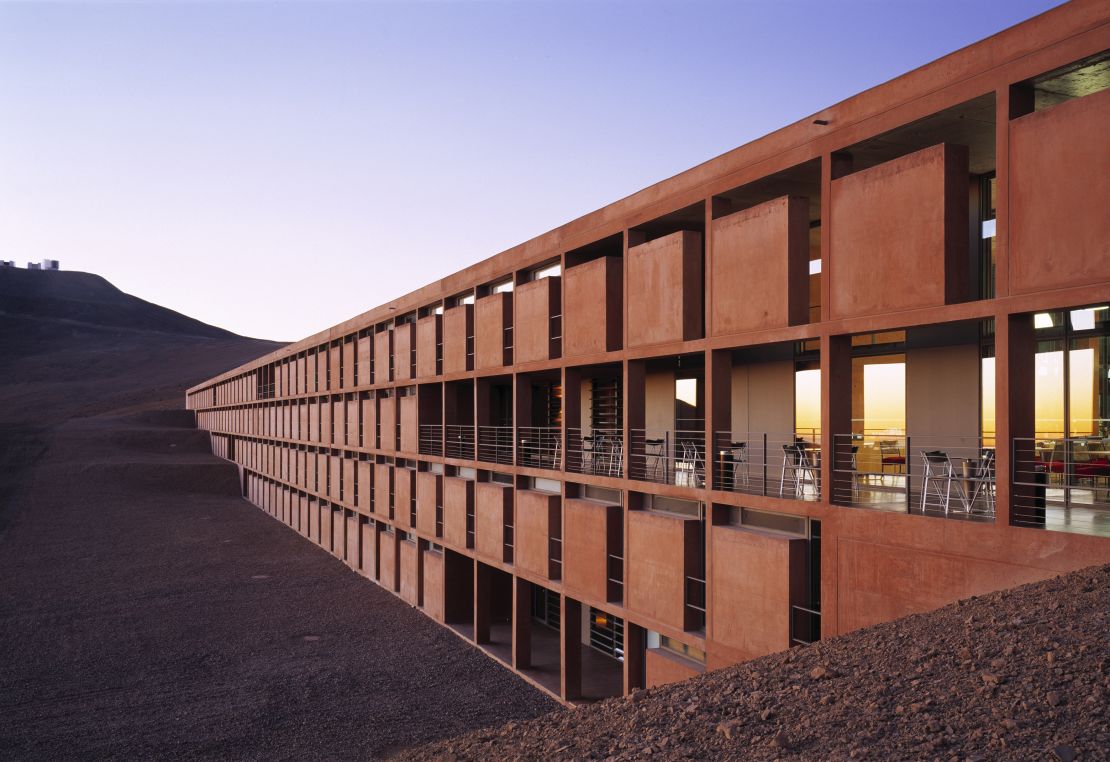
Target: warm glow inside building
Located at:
point(852, 370)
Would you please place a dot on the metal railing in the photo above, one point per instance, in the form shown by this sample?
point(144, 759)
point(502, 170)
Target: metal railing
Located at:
point(695, 602)
point(668, 457)
point(926, 474)
point(615, 573)
point(439, 521)
point(595, 451)
point(759, 463)
point(539, 447)
point(805, 625)
point(470, 526)
point(495, 444)
point(507, 538)
point(459, 442)
point(1062, 484)
point(431, 439)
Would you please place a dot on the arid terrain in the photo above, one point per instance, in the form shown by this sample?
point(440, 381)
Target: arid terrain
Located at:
point(1016, 675)
point(146, 610)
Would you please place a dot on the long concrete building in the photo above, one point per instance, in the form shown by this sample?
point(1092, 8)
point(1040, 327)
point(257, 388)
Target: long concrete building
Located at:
point(855, 369)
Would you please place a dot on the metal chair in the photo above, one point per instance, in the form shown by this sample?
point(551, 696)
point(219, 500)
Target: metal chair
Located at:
point(795, 463)
point(739, 453)
point(890, 454)
point(938, 469)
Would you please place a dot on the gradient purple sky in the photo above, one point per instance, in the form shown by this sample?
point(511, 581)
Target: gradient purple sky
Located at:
point(277, 167)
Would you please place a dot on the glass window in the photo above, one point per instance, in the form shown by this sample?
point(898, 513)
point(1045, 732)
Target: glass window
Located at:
point(807, 403)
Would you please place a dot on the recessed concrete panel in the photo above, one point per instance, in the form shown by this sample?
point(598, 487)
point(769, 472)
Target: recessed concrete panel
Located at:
point(535, 305)
point(756, 576)
point(899, 234)
point(349, 480)
point(429, 331)
point(365, 353)
point(590, 528)
point(458, 502)
point(433, 584)
point(1059, 186)
point(365, 485)
point(759, 267)
point(369, 422)
point(338, 533)
point(383, 486)
point(493, 510)
point(411, 572)
point(404, 488)
point(388, 561)
point(325, 538)
point(493, 316)
point(458, 327)
point(354, 542)
point(592, 318)
point(537, 519)
point(383, 352)
point(428, 496)
point(660, 549)
point(335, 360)
point(387, 423)
point(369, 547)
point(665, 287)
point(404, 341)
point(410, 424)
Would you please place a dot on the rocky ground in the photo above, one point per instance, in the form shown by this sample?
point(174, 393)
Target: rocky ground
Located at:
point(1015, 675)
point(147, 611)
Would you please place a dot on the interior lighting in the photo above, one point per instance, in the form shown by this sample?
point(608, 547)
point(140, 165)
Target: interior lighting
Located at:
point(1042, 320)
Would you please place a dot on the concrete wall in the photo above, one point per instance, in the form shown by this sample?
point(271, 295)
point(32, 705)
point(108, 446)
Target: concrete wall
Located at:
point(763, 398)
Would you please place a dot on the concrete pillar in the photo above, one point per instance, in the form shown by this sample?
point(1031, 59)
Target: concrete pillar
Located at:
point(1015, 384)
point(522, 623)
point(836, 415)
point(482, 585)
point(570, 648)
point(634, 643)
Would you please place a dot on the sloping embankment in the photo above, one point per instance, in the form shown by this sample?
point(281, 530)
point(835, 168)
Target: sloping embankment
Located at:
point(1018, 674)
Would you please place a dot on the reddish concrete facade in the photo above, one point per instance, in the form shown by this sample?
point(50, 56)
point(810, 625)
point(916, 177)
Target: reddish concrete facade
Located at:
point(558, 475)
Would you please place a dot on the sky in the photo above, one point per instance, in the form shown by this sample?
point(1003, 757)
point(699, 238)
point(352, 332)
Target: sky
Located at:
point(275, 168)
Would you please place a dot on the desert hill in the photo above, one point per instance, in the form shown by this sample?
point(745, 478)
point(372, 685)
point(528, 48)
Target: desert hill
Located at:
point(86, 298)
point(72, 343)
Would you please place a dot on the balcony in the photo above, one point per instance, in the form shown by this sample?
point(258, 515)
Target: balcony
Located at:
point(493, 521)
point(1062, 484)
point(459, 442)
point(539, 447)
point(665, 568)
point(774, 465)
point(935, 475)
point(495, 444)
point(599, 452)
point(668, 457)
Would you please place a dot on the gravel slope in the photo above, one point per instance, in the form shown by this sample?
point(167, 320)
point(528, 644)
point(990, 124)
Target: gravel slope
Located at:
point(1020, 674)
point(149, 612)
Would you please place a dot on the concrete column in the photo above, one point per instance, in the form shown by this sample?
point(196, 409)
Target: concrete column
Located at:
point(836, 414)
point(570, 648)
point(522, 623)
point(482, 593)
point(634, 643)
point(1015, 383)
